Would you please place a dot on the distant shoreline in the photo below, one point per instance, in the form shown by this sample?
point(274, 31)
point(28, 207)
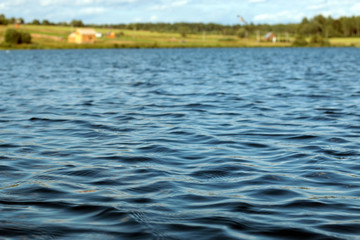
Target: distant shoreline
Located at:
point(56, 37)
point(109, 48)
point(95, 47)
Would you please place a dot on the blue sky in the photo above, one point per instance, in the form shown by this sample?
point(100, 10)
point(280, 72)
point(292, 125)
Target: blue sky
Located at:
point(218, 11)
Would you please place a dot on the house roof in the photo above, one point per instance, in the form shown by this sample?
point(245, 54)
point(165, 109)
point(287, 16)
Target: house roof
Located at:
point(269, 35)
point(86, 31)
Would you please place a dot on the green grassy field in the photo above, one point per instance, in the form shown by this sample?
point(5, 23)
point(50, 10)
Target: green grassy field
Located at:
point(348, 42)
point(55, 37)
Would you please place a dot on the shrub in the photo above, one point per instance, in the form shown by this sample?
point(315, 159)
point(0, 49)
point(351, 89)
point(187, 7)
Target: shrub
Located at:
point(300, 41)
point(15, 37)
point(183, 32)
point(227, 40)
point(12, 36)
point(242, 33)
point(25, 37)
point(319, 40)
point(227, 31)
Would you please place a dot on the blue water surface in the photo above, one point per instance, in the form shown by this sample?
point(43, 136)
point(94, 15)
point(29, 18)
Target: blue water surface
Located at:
point(180, 144)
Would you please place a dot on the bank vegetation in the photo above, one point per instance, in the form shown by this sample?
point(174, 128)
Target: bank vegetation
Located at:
point(318, 31)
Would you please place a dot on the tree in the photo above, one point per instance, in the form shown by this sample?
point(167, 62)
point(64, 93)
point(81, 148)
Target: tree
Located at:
point(304, 21)
point(36, 22)
point(12, 20)
point(20, 21)
point(45, 22)
point(3, 20)
point(62, 24)
point(76, 23)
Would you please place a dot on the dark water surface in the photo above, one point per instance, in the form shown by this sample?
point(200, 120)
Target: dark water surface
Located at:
point(180, 144)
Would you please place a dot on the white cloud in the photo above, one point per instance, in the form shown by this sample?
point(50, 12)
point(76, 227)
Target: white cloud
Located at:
point(334, 13)
point(278, 17)
point(17, 2)
point(166, 6)
point(356, 7)
point(3, 6)
point(180, 3)
point(317, 6)
point(84, 2)
point(45, 3)
point(79, 2)
point(154, 18)
point(158, 7)
point(225, 12)
point(92, 10)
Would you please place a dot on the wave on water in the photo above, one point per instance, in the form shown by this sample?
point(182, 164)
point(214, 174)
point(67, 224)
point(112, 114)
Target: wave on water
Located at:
point(180, 144)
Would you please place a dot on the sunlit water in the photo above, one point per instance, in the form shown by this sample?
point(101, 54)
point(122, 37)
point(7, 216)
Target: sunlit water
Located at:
point(180, 144)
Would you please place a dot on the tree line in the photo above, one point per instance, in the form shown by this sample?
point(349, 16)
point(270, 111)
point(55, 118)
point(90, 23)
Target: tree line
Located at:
point(318, 25)
point(329, 27)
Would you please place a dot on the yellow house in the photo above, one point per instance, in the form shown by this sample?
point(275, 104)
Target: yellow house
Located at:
point(82, 35)
point(111, 35)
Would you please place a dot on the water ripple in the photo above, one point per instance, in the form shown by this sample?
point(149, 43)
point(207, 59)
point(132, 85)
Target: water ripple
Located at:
point(180, 144)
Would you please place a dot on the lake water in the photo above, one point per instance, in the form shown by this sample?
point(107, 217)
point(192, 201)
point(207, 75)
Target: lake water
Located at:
point(180, 144)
